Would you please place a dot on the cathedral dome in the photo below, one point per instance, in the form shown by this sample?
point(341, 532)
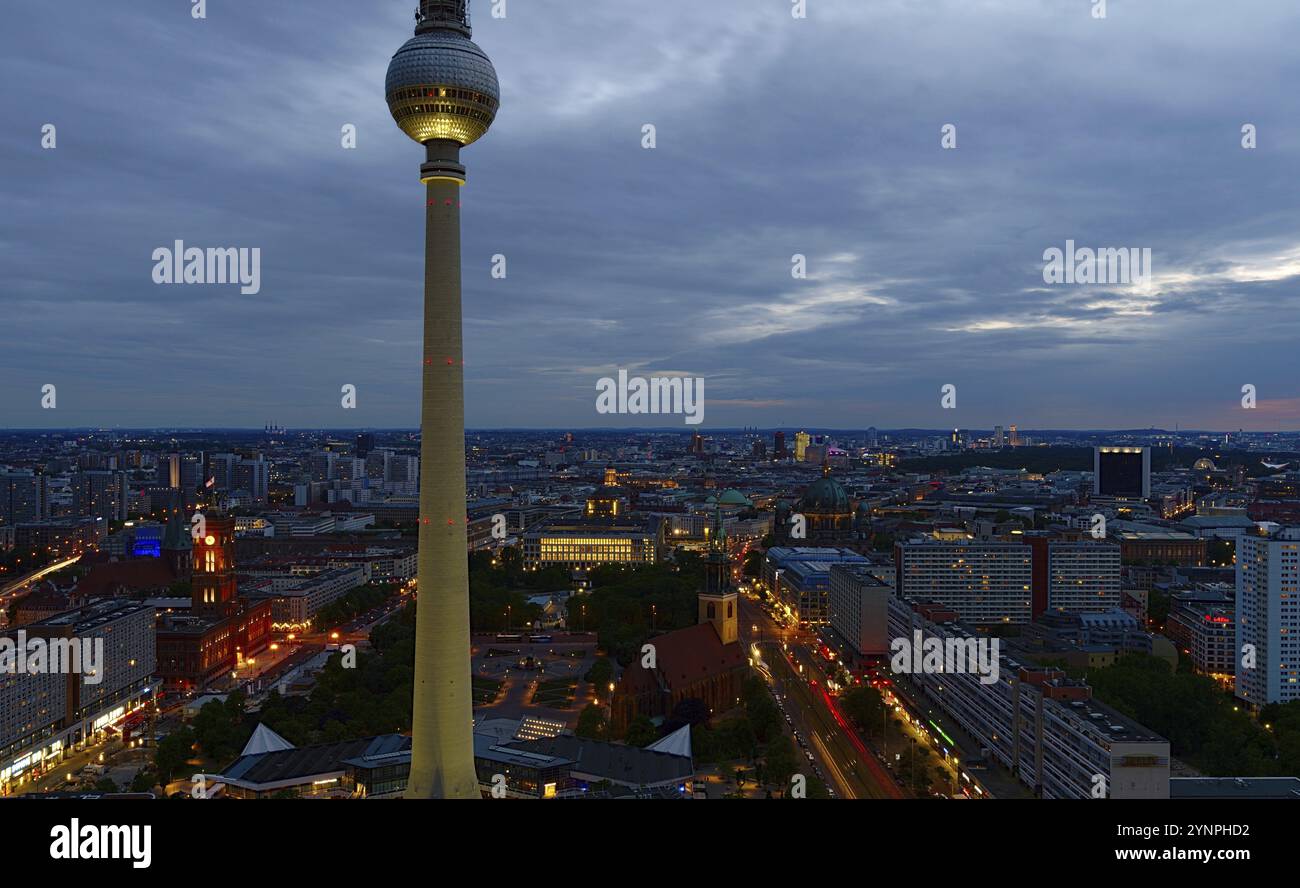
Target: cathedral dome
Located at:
point(825, 496)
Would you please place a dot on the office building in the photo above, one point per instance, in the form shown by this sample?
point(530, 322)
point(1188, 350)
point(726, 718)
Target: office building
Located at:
point(100, 494)
point(1041, 725)
point(582, 543)
point(1268, 617)
point(44, 714)
point(22, 498)
point(798, 578)
point(1157, 547)
point(801, 442)
point(1083, 576)
point(858, 606)
point(295, 603)
point(252, 476)
point(1122, 473)
point(984, 582)
point(61, 538)
point(1206, 633)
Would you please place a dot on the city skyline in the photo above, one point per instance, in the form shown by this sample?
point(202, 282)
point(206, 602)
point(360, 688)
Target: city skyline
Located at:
point(924, 264)
point(666, 429)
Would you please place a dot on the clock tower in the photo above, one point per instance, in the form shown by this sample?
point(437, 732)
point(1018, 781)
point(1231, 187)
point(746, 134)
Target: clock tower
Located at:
point(213, 576)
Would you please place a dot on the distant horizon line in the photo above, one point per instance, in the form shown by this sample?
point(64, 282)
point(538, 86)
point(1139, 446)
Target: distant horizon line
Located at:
point(656, 429)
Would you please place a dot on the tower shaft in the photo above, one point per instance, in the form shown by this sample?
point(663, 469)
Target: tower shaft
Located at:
point(442, 742)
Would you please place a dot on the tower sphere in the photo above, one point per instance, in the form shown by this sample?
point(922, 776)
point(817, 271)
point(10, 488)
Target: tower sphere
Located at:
point(440, 85)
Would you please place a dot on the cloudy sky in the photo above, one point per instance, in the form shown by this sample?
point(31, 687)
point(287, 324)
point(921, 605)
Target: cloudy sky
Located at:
point(776, 136)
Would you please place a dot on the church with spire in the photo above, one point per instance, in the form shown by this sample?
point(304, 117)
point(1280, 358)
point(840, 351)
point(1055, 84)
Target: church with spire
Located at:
point(719, 601)
point(704, 662)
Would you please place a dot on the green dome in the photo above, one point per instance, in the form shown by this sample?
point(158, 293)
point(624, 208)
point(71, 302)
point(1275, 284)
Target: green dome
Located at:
point(825, 496)
point(733, 497)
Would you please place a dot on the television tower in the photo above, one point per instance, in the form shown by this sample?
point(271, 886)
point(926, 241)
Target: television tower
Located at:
point(442, 91)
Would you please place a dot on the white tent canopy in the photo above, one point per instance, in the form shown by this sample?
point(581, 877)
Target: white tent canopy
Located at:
point(266, 740)
point(676, 743)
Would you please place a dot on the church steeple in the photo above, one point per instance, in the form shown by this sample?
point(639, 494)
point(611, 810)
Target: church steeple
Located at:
point(719, 603)
point(717, 564)
point(176, 544)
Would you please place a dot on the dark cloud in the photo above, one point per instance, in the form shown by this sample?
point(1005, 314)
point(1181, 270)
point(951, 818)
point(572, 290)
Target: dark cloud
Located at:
point(775, 137)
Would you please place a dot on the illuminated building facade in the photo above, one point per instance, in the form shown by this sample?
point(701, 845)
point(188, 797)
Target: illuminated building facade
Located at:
point(1207, 633)
point(609, 500)
point(801, 442)
point(43, 715)
point(1038, 723)
point(61, 538)
point(221, 629)
point(144, 574)
point(583, 544)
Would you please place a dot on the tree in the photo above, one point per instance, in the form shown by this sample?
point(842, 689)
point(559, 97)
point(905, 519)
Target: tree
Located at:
point(921, 778)
point(591, 723)
point(817, 789)
point(691, 711)
point(864, 705)
point(641, 732)
point(1220, 552)
point(173, 752)
point(218, 729)
point(780, 761)
point(763, 716)
point(600, 673)
point(142, 782)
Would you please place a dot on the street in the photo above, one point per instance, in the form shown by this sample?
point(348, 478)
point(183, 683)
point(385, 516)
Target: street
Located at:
point(850, 769)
